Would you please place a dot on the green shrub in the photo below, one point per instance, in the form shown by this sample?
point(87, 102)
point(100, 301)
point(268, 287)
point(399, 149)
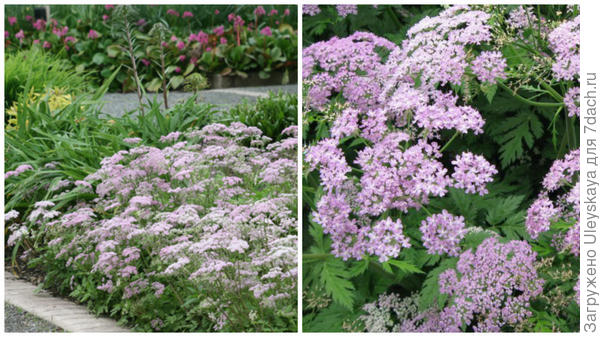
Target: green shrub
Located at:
point(271, 114)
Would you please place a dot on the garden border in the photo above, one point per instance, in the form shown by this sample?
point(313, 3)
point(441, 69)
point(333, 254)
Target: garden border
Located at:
point(61, 312)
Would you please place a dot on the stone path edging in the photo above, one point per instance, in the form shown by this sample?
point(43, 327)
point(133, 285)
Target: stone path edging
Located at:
point(60, 312)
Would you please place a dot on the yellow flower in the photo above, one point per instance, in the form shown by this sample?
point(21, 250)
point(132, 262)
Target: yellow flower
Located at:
point(57, 99)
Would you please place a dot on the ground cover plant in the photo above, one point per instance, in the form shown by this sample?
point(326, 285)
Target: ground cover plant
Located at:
point(220, 198)
point(198, 235)
point(217, 39)
point(441, 169)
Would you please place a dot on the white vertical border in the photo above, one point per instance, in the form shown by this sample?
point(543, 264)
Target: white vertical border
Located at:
point(300, 162)
point(590, 52)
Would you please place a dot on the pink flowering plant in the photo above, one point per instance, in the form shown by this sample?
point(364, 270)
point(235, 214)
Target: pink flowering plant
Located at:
point(440, 180)
point(197, 234)
point(234, 42)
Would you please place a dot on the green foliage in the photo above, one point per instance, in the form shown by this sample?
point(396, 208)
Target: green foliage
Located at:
point(514, 133)
point(430, 293)
point(390, 21)
point(271, 114)
point(38, 70)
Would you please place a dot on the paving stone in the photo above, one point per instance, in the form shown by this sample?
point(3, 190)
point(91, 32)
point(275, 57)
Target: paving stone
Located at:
point(60, 312)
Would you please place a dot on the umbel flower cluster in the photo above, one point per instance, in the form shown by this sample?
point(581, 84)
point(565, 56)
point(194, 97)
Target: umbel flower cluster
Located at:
point(209, 216)
point(558, 200)
point(489, 288)
point(400, 112)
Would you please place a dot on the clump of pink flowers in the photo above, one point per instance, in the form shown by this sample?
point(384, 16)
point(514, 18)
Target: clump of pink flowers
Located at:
point(442, 233)
point(212, 210)
point(492, 286)
point(489, 66)
point(558, 200)
point(345, 10)
point(401, 122)
point(311, 10)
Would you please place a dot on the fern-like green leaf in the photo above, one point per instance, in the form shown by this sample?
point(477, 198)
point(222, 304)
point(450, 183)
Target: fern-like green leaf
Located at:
point(516, 132)
point(334, 277)
point(502, 208)
point(405, 267)
point(430, 293)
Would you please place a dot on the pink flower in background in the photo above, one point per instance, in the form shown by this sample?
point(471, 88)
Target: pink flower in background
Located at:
point(105, 17)
point(164, 44)
point(192, 37)
point(217, 12)
point(208, 48)
point(28, 18)
point(238, 21)
point(181, 58)
point(202, 37)
point(70, 39)
point(286, 12)
point(220, 30)
point(145, 62)
point(173, 12)
point(12, 20)
point(187, 14)
point(109, 7)
point(6, 34)
point(178, 70)
point(60, 32)
point(173, 38)
point(223, 40)
point(276, 22)
point(266, 31)
point(141, 22)
point(180, 45)
point(345, 10)
point(93, 34)
point(230, 17)
point(20, 35)
point(47, 45)
point(36, 41)
point(40, 24)
point(259, 11)
point(273, 12)
point(194, 60)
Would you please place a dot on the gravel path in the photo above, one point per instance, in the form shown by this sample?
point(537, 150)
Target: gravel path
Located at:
point(18, 320)
point(117, 104)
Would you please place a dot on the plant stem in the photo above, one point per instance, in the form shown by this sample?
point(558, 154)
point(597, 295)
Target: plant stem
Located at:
point(528, 101)
point(135, 73)
point(164, 76)
point(315, 256)
point(450, 141)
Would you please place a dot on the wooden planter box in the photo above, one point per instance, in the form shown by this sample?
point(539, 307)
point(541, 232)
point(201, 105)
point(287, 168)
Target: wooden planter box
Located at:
point(218, 81)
